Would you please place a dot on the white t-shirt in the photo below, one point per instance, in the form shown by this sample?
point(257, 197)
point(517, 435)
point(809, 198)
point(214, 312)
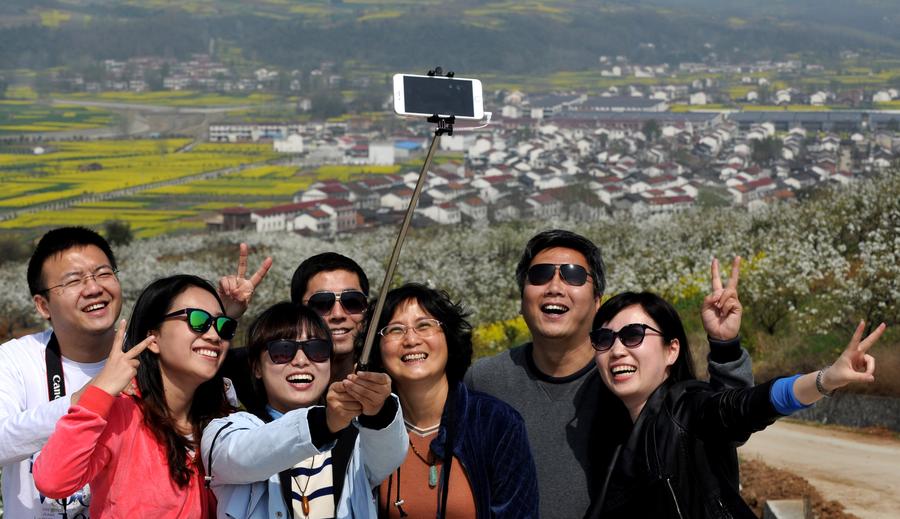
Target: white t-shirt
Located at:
point(28, 418)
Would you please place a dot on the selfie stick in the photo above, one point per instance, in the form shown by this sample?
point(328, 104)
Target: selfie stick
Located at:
point(445, 125)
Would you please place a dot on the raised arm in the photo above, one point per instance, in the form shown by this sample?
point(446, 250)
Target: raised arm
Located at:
point(735, 413)
point(236, 291)
point(854, 365)
point(80, 447)
point(241, 449)
point(721, 313)
point(383, 438)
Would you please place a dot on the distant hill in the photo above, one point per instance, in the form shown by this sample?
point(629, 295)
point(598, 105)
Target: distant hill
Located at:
point(505, 36)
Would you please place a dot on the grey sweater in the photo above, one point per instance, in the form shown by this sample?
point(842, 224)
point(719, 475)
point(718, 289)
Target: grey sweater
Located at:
point(560, 414)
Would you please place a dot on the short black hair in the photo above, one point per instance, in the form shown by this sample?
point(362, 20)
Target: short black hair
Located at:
point(568, 240)
point(58, 241)
point(665, 316)
point(284, 320)
point(324, 262)
point(457, 330)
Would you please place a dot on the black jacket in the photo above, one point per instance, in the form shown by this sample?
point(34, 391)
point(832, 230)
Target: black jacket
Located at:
point(679, 459)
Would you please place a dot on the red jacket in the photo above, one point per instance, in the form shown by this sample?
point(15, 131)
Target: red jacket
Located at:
point(103, 441)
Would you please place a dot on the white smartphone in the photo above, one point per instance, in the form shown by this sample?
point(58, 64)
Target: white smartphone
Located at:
point(424, 96)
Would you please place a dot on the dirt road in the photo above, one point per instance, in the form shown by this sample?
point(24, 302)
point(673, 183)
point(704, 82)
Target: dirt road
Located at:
point(862, 472)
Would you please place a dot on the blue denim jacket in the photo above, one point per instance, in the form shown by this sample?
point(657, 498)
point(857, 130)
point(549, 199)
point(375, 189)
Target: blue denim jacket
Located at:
point(491, 444)
point(248, 455)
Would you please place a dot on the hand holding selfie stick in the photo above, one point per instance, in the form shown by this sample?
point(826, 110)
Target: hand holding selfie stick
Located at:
point(445, 125)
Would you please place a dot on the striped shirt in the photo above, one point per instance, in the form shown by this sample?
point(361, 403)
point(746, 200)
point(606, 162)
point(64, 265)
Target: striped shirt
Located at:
point(312, 478)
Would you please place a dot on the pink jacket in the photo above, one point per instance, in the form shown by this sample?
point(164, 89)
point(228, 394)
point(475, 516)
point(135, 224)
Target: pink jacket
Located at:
point(103, 441)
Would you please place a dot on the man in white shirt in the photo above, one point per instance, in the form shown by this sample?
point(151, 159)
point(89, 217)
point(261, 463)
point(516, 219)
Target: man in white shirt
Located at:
point(73, 280)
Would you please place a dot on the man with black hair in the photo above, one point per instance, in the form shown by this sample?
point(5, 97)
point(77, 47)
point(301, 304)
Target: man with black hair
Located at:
point(73, 280)
point(337, 289)
point(553, 381)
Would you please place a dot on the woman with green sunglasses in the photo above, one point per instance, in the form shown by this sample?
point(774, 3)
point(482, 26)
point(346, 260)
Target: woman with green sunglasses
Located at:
point(140, 453)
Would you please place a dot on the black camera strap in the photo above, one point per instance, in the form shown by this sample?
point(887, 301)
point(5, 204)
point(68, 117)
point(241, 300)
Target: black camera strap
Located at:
point(56, 383)
point(56, 386)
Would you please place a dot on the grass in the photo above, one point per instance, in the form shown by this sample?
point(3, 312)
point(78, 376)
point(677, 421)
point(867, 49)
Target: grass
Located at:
point(519, 7)
point(736, 92)
point(33, 179)
point(145, 223)
point(792, 108)
point(275, 183)
point(180, 98)
point(26, 116)
point(54, 18)
point(380, 15)
point(21, 92)
point(682, 108)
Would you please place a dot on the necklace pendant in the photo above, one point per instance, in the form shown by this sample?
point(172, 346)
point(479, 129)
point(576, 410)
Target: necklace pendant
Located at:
point(432, 477)
point(304, 502)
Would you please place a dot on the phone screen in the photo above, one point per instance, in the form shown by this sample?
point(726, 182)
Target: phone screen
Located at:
point(427, 95)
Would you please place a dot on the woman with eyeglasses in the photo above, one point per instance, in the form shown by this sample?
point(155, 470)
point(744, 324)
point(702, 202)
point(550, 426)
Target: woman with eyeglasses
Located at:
point(290, 456)
point(140, 453)
point(675, 457)
point(469, 455)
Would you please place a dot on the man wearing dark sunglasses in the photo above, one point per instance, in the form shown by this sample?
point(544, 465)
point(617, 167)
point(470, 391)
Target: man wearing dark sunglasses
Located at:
point(335, 287)
point(74, 282)
point(553, 381)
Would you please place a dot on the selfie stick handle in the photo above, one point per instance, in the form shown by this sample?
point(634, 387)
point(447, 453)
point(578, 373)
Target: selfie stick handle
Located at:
point(395, 254)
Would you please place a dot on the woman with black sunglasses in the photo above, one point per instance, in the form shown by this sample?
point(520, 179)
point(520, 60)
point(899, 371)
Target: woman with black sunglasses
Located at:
point(290, 456)
point(139, 453)
point(673, 455)
point(469, 455)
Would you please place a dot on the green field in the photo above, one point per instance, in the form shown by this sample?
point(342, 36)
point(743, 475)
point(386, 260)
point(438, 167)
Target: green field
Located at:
point(70, 169)
point(74, 169)
point(178, 98)
point(25, 116)
point(277, 183)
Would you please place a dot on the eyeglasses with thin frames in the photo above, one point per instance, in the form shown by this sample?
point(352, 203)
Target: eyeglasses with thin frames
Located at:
point(423, 328)
point(103, 275)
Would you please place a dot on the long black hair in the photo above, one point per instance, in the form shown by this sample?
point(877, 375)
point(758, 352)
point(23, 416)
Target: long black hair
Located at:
point(665, 316)
point(285, 320)
point(457, 330)
point(209, 399)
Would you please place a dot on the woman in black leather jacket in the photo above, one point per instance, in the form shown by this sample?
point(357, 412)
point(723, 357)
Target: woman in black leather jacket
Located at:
point(677, 456)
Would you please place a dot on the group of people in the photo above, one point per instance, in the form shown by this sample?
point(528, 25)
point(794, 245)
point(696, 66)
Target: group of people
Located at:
point(600, 415)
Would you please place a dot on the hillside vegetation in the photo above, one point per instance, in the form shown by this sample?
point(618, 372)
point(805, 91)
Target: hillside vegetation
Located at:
point(811, 270)
point(503, 36)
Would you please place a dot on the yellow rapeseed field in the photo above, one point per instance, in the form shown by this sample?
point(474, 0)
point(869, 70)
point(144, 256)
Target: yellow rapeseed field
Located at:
point(75, 169)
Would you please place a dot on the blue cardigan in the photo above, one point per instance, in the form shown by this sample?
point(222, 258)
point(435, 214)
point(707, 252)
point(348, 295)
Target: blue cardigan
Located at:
point(491, 444)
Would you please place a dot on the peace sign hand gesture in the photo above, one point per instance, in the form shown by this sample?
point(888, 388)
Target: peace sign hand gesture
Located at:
point(121, 366)
point(721, 311)
point(854, 364)
point(237, 291)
